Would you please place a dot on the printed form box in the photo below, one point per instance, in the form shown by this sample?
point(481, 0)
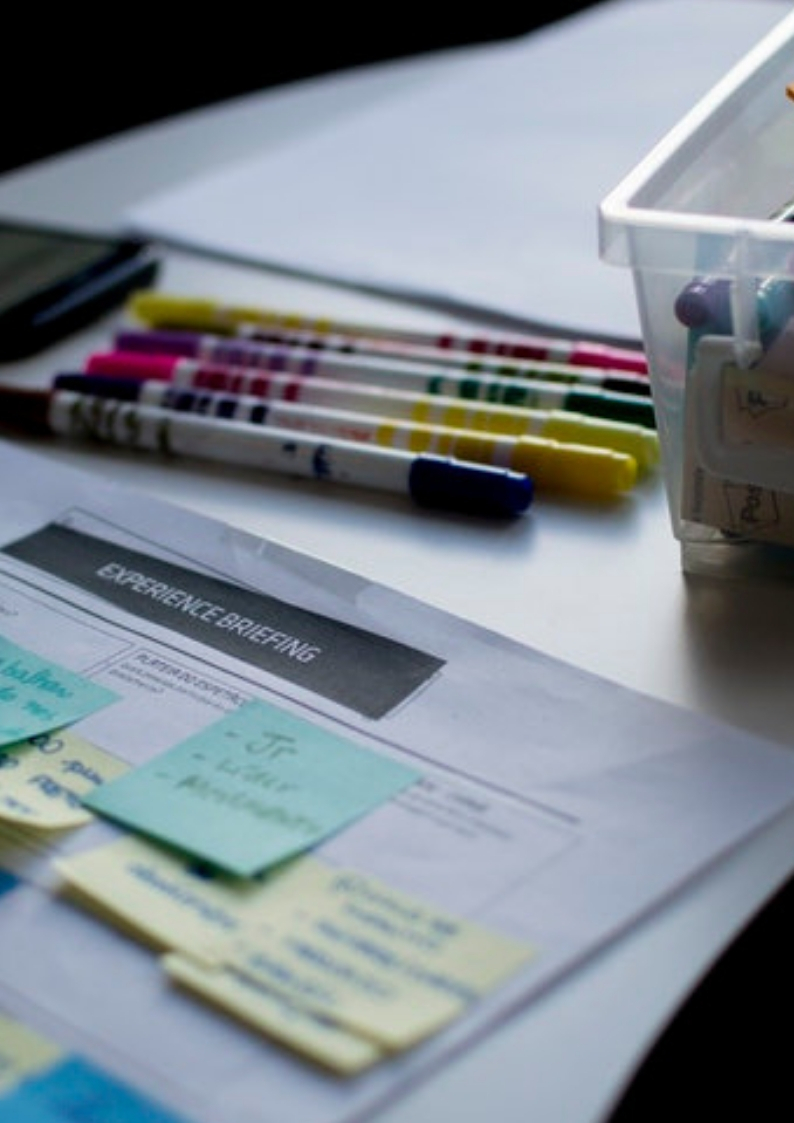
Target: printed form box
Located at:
point(706, 224)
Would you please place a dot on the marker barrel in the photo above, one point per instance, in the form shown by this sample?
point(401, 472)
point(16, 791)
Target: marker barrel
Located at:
point(166, 310)
point(584, 471)
point(512, 393)
point(430, 481)
point(633, 440)
point(416, 368)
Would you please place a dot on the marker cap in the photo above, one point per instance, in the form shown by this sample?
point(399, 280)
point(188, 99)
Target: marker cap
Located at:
point(99, 385)
point(475, 489)
point(634, 440)
point(619, 407)
point(133, 365)
point(579, 470)
point(705, 303)
point(163, 342)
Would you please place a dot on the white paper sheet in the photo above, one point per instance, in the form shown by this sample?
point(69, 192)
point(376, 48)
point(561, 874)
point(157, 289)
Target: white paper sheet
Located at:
point(478, 192)
point(555, 807)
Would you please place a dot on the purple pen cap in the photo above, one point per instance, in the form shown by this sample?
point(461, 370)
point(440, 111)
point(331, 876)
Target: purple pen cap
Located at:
point(474, 489)
point(705, 303)
point(157, 342)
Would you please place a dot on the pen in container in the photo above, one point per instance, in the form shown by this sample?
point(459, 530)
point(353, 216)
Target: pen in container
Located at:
point(430, 481)
point(704, 304)
point(635, 440)
point(384, 365)
point(584, 471)
point(159, 309)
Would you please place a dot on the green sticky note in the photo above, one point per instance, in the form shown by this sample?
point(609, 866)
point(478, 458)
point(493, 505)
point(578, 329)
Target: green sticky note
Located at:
point(258, 786)
point(37, 696)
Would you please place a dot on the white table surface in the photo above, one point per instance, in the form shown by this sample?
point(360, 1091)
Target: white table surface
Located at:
point(602, 588)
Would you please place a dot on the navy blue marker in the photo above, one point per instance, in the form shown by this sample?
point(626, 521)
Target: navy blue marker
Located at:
point(430, 480)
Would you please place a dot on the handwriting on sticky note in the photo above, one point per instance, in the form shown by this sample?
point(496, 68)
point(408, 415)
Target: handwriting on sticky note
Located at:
point(37, 696)
point(160, 896)
point(337, 964)
point(43, 780)
point(382, 964)
point(253, 789)
point(318, 1039)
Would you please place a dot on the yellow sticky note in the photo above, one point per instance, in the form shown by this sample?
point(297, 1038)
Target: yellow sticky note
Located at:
point(44, 780)
point(158, 896)
point(336, 944)
point(22, 1053)
point(163, 897)
point(383, 964)
point(320, 1040)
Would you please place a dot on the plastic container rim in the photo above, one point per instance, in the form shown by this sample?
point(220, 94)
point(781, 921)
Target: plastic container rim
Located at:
point(617, 212)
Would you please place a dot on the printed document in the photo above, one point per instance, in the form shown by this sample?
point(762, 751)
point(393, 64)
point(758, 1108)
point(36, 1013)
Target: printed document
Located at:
point(504, 815)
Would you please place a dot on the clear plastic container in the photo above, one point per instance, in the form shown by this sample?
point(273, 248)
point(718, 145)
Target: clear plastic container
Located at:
point(707, 208)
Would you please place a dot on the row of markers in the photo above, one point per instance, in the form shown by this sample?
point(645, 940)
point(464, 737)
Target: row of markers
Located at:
point(469, 424)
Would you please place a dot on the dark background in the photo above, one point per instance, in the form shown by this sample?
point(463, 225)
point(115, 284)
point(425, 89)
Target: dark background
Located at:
point(71, 78)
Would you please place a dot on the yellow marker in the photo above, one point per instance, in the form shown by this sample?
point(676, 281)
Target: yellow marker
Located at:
point(159, 309)
point(586, 469)
point(561, 451)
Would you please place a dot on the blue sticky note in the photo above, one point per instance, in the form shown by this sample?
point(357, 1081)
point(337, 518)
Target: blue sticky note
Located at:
point(75, 1089)
point(37, 696)
point(255, 788)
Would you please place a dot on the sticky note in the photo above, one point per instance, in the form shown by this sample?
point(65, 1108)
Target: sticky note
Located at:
point(22, 1053)
point(162, 897)
point(383, 964)
point(318, 1039)
point(338, 965)
point(73, 1089)
point(43, 780)
point(253, 789)
point(37, 696)
point(158, 896)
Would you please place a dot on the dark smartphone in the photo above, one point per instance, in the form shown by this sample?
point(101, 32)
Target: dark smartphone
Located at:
point(55, 281)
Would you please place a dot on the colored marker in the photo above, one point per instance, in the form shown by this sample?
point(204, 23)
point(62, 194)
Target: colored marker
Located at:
point(517, 421)
point(381, 364)
point(416, 379)
point(431, 481)
point(169, 310)
point(704, 306)
point(580, 470)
